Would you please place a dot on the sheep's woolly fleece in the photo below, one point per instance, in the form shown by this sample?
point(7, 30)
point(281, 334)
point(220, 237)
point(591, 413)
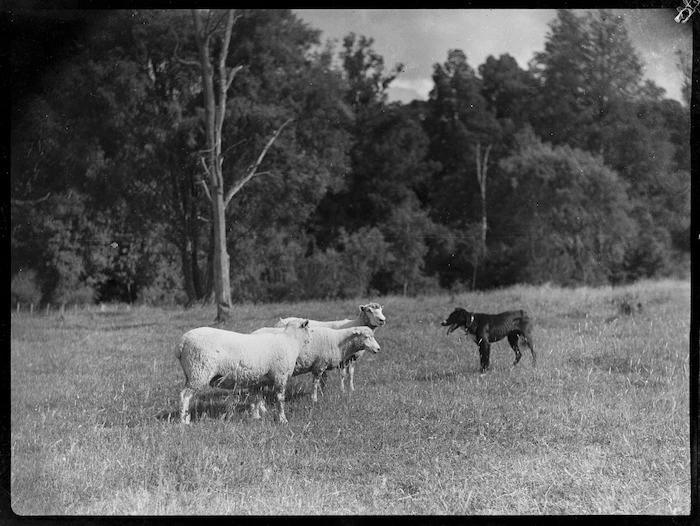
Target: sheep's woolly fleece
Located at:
point(243, 359)
point(329, 348)
point(370, 315)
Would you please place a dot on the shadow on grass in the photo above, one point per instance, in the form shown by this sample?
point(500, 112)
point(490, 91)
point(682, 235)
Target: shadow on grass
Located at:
point(219, 403)
point(611, 364)
point(115, 327)
point(68, 326)
point(637, 372)
point(429, 376)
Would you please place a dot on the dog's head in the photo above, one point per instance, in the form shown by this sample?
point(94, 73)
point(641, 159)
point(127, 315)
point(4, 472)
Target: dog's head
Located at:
point(458, 318)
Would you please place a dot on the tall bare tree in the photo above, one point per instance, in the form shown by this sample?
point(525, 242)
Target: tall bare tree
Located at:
point(481, 171)
point(217, 78)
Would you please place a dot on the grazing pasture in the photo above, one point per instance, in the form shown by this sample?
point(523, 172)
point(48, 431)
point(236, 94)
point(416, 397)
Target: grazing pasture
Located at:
point(601, 426)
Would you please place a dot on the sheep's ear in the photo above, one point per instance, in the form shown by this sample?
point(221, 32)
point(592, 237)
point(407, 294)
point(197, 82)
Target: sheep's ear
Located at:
point(362, 308)
point(304, 324)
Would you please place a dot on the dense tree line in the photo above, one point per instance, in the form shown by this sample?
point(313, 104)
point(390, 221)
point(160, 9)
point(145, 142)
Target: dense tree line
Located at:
point(574, 170)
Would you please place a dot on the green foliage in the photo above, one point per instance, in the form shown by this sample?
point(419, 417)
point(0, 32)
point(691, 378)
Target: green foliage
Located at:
point(362, 253)
point(573, 215)
point(407, 230)
point(507, 89)
point(24, 288)
point(458, 120)
point(364, 69)
point(357, 196)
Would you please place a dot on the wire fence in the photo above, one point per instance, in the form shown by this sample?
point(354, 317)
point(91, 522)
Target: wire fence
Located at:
point(49, 309)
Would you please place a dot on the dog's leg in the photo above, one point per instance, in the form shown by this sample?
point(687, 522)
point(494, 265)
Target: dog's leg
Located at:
point(484, 352)
point(527, 340)
point(525, 328)
point(513, 340)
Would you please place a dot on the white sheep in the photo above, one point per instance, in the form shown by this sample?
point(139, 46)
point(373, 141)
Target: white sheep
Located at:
point(370, 315)
point(330, 349)
point(227, 360)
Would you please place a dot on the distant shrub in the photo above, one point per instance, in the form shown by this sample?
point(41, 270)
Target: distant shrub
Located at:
point(73, 294)
point(156, 294)
point(320, 275)
point(24, 288)
point(646, 256)
point(362, 252)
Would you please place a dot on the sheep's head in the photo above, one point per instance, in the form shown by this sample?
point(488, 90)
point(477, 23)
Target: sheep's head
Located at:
point(458, 318)
point(299, 330)
point(367, 341)
point(373, 314)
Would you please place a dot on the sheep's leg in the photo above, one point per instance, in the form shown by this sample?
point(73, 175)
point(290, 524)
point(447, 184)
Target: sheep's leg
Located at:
point(185, 396)
point(343, 374)
point(513, 340)
point(318, 380)
point(279, 393)
point(258, 404)
point(351, 374)
point(258, 407)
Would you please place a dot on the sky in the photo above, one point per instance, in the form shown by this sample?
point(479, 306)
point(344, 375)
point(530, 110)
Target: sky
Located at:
point(419, 38)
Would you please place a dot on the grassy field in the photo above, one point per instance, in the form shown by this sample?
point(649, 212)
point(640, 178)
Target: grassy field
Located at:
point(601, 426)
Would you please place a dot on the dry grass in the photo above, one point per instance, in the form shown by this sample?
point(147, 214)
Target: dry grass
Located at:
point(600, 427)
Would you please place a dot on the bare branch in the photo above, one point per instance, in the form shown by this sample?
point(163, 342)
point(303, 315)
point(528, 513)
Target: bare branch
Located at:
point(229, 148)
point(202, 37)
point(176, 52)
point(30, 201)
point(223, 77)
point(478, 161)
point(231, 76)
point(206, 27)
point(210, 177)
point(216, 23)
point(236, 188)
point(226, 42)
point(485, 169)
point(206, 189)
point(486, 159)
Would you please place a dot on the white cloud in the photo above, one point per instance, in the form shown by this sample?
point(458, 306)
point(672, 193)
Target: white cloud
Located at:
point(418, 88)
point(419, 38)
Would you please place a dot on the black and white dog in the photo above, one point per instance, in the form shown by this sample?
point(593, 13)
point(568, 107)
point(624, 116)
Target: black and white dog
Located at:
point(487, 328)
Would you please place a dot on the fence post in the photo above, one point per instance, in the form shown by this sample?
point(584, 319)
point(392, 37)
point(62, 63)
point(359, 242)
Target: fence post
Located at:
point(31, 309)
point(48, 307)
point(18, 306)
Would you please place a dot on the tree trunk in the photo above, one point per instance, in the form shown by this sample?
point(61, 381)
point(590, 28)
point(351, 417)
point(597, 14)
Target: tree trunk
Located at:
point(191, 272)
point(214, 112)
point(222, 278)
point(481, 171)
point(187, 273)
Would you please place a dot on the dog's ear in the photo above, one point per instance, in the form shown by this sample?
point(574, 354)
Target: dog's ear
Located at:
point(463, 316)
